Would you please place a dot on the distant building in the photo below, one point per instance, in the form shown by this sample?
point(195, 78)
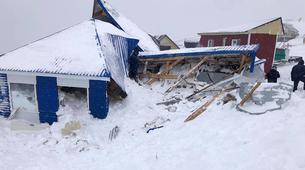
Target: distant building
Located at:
point(290, 33)
point(165, 42)
point(304, 40)
point(264, 33)
point(192, 42)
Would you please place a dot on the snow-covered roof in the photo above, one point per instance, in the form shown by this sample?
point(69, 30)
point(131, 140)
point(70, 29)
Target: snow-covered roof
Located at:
point(203, 51)
point(75, 51)
point(146, 43)
point(194, 39)
point(243, 28)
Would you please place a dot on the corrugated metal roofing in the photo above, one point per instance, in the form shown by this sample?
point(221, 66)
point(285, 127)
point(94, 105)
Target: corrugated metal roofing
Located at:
point(203, 51)
point(249, 50)
point(74, 51)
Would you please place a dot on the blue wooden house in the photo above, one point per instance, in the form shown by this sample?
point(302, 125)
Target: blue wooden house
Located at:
point(88, 55)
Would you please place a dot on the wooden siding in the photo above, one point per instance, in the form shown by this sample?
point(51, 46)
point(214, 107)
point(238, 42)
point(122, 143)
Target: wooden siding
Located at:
point(218, 39)
point(167, 42)
point(266, 49)
point(273, 28)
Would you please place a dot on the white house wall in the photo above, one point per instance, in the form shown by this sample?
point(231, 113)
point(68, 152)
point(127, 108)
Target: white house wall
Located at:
point(72, 83)
point(11, 78)
point(66, 82)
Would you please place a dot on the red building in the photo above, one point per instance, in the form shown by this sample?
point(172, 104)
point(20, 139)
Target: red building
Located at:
point(264, 33)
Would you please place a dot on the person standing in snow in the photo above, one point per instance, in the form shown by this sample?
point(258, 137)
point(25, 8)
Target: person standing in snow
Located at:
point(133, 65)
point(273, 75)
point(297, 74)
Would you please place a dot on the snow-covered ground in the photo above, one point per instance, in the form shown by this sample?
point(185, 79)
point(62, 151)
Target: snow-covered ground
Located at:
point(222, 138)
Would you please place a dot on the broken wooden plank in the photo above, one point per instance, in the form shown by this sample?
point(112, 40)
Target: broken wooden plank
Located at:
point(170, 67)
point(187, 74)
point(199, 91)
point(170, 102)
point(248, 95)
point(203, 108)
point(244, 62)
point(156, 76)
point(161, 59)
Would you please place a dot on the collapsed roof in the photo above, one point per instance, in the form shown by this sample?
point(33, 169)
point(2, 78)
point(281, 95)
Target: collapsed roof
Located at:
point(249, 50)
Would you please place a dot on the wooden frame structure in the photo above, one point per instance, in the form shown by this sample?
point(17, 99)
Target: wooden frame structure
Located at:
point(244, 55)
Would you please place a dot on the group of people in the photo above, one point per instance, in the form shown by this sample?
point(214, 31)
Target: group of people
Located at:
point(297, 75)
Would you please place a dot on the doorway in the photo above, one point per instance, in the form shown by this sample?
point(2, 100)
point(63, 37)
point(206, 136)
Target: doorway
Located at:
point(73, 99)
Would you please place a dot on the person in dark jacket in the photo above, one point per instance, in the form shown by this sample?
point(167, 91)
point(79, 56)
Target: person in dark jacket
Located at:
point(273, 75)
point(297, 74)
point(133, 61)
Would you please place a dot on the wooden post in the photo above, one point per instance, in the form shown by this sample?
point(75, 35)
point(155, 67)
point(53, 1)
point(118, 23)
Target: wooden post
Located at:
point(167, 66)
point(203, 108)
point(145, 67)
point(248, 95)
point(187, 74)
point(242, 62)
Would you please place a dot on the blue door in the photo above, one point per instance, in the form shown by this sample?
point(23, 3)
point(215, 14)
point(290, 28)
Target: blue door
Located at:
point(4, 96)
point(98, 99)
point(47, 97)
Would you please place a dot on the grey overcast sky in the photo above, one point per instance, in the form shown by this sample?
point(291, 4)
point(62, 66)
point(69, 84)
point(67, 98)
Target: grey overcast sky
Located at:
point(24, 21)
point(185, 18)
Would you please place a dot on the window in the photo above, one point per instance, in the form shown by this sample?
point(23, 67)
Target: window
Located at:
point(224, 41)
point(23, 97)
point(210, 43)
point(24, 103)
point(235, 42)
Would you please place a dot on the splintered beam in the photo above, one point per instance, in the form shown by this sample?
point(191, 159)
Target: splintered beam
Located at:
point(187, 74)
point(165, 71)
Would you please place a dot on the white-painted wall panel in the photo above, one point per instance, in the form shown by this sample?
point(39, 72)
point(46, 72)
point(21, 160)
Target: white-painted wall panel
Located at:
point(12, 78)
point(72, 83)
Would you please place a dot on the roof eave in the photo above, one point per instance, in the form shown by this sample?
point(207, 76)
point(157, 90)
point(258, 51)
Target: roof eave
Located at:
point(223, 33)
point(68, 76)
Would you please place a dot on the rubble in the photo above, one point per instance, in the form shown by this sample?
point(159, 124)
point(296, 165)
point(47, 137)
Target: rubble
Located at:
point(70, 128)
point(269, 97)
point(228, 98)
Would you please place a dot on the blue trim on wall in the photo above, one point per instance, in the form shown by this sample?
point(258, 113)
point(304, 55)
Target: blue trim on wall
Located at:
point(5, 108)
point(98, 99)
point(253, 55)
point(47, 97)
